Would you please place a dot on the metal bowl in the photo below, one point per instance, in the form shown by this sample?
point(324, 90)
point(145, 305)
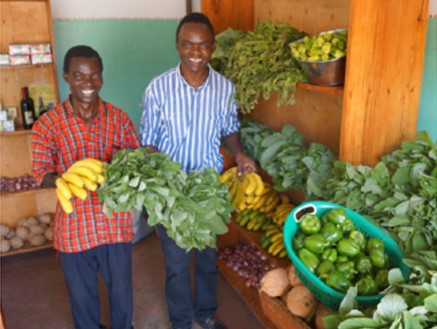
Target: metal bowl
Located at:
point(326, 73)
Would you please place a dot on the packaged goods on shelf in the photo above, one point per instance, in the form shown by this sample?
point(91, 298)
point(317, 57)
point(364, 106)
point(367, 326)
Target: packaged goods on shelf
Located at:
point(40, 49)
point(41, 58)
point(19, 59)
point(4, 60)
point(19, 49)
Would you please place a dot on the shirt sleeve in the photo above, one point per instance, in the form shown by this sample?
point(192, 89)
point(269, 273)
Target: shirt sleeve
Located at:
point(231, 124)
point(149, 126)
point(130, 132)
point(43, 150)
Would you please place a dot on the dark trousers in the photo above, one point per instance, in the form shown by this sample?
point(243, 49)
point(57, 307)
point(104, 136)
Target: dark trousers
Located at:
point(114, 262)
point(182, 306)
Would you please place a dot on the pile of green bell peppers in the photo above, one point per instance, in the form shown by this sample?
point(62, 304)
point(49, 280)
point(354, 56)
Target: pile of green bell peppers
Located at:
point(342, 256)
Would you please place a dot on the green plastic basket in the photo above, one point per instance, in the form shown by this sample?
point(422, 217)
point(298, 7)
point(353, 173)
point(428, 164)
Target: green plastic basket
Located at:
point(325, 294)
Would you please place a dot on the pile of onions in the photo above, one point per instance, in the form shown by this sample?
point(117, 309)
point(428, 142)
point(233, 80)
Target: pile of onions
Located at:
point(248, 261)
point(16, 184)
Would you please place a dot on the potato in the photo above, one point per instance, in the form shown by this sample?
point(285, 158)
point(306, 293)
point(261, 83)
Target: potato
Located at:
point(4, 230)
point(37, 240)
point(38, 229)
point(292, 277)
point(301, 302)
point(45, 218)
point(16, 242)
point(275, 282)
point(49, 234)
point(22, 232)
point(5, 246)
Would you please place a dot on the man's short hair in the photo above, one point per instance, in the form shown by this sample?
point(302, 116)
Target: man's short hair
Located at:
point(195, 18)
point(80, 51)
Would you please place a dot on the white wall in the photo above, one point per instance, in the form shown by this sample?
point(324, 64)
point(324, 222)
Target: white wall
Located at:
point(129, 9)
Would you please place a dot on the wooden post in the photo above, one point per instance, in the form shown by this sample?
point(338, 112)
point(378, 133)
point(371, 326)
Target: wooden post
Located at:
point(386, 47)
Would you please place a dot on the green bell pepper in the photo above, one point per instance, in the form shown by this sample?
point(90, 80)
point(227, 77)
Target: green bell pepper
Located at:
point(359, 238)
point(363, 264)
point(347, 225)
point(310, 224)
point(378, 258)
point(336, 216)
point(367, 287)
point(324, 268)
point(331, 234)
point(374, 243)
point(341, 259)
point(348, 269)
point(315, 243)
point(330, 254)
point(348, 247)
point(381, 279)
point(309, 259)
point(338, 281)
point(298, 241)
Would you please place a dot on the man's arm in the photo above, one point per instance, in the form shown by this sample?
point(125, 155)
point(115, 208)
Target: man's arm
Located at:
point(244, 163)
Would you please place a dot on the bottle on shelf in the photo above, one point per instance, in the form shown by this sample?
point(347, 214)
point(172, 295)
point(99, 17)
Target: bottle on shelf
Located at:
point(27, 109)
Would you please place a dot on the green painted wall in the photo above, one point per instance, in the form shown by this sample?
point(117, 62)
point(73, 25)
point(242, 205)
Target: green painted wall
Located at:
point(133, 52)
point(428, 98)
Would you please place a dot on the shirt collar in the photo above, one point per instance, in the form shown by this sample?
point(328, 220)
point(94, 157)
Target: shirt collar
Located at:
point(184, 82)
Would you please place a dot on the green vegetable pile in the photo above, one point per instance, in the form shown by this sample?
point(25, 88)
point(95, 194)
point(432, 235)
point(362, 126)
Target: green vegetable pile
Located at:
point(320, 47)
point(193, 207)
point(283, 155)
point(340, 255)
point(259, 62)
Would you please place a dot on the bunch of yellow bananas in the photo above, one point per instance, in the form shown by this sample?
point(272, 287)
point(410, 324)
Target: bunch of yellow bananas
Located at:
point(245, 190)
point(272, 241)
point(253, 220)
point(83, 175)
point(281, 213)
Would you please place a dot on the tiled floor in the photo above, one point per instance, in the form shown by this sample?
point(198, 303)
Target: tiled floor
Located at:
point(33, 294)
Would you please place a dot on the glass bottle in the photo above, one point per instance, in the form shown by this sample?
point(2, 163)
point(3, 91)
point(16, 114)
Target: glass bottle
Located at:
point(27, 109)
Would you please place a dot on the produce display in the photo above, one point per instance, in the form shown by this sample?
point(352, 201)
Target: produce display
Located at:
point(30, 231)
point(193, 207)
point(340, 255)
point(321, 47)
point(259, 62)
point(248, 261)
point(23, 183)
point(85, 174)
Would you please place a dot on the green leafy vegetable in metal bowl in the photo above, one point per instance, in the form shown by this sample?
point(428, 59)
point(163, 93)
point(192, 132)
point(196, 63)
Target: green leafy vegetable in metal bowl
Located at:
point(321, 47)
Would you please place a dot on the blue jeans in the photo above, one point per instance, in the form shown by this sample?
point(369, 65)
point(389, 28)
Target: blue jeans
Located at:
point(182, 306)
point(81, 269)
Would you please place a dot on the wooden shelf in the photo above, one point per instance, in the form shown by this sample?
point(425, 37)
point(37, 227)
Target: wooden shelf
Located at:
point(25, 66)
point(15, 133)
point(24, 193)
point(27, 248)
point(333, 90)
point(249, 295)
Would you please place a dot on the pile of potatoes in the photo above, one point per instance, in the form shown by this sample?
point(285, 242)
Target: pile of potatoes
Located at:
point(284, 284)
point(35, 230)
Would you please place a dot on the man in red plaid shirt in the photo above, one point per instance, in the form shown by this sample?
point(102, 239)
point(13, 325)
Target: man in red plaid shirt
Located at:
point(88, 242)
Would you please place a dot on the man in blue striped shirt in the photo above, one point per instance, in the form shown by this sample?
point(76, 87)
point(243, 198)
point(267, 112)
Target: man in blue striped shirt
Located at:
point(187, 111)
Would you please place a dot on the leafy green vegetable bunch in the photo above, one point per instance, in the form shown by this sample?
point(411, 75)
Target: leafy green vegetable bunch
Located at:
point(399, 193)
point(193, 207)
point(259, 62)
point(283, 155)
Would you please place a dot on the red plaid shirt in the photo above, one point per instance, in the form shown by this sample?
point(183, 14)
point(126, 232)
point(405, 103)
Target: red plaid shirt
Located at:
point(59, 139)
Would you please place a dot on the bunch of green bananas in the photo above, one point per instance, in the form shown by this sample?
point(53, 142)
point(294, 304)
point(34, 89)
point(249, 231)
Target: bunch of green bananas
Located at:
point(272, 241)
point(246, 189)
point(253, 220)
point(281, 213)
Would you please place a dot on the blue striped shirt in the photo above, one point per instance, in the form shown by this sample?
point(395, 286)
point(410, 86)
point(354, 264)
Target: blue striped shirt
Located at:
point(188, 123)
